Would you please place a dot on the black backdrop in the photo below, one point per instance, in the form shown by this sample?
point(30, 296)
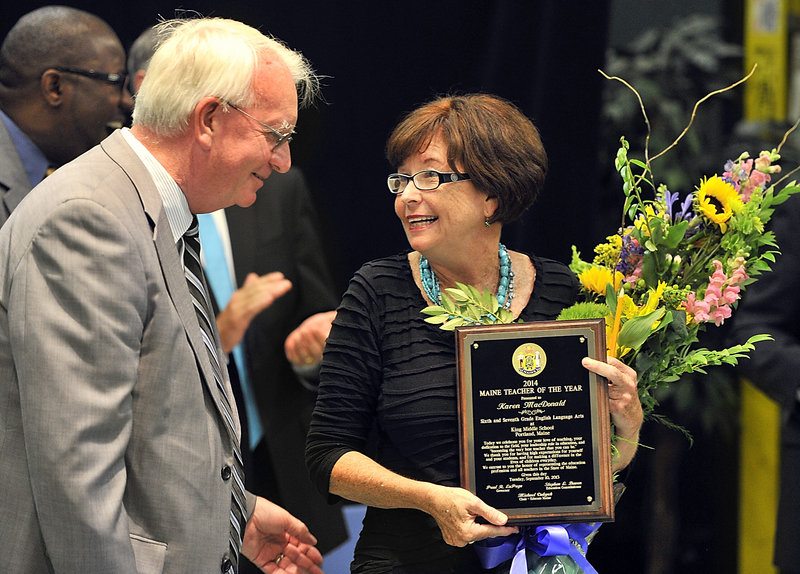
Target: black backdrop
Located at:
point(383, 59)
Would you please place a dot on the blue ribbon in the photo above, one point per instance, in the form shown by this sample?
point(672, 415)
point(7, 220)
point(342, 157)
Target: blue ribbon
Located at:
point(544, 540)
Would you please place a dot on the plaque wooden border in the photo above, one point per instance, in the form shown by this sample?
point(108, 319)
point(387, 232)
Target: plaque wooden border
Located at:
point(598, 506)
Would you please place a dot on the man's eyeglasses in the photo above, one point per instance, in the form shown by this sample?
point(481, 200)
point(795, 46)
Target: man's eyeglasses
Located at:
point(425, 180)
point(274, 138)
point(117, 80)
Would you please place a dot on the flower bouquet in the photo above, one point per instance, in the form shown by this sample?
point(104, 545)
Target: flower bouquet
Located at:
point(678, 264)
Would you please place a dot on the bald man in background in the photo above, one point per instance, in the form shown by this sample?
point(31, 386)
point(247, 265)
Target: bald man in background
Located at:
point(63, 88)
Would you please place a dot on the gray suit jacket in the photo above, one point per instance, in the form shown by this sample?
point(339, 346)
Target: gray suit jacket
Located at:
point(14, 182)
point(111, 439)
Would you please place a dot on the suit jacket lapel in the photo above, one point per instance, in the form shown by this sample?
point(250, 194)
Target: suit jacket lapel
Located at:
point(171, 265)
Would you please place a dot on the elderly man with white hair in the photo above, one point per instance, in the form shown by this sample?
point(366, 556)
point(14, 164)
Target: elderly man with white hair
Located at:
point(119, 438)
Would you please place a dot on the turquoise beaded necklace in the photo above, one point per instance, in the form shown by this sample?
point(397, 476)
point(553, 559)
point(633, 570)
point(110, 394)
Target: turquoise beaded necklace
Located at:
point(505, 289)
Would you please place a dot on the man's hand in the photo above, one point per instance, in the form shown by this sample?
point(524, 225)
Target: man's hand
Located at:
point(305, 344)
point(247, 301)
point(279, 543)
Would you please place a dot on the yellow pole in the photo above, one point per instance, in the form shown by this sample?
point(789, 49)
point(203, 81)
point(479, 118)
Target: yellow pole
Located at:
point(766, 95)
point(766, 43)
point(758, 481)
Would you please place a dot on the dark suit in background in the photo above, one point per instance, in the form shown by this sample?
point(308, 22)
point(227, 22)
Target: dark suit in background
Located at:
point(280, 232)
point(772, 305)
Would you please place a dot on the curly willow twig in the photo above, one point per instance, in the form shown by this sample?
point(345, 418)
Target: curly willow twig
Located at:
point(647, 157)
point(787, 134)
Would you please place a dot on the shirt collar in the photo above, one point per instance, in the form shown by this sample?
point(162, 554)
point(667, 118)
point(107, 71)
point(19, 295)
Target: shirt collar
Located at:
point(175, 204)
point(33, 159)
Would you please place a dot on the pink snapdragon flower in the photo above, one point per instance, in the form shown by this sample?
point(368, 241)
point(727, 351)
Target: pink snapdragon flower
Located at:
point(747, 175)
point(764, 162)
point(720, 293)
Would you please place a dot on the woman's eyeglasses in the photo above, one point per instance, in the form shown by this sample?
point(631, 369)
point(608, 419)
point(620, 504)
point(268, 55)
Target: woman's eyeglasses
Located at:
point(425, 180)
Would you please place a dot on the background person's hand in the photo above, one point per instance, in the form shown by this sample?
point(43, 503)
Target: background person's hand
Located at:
point(305, 344)
point(257, 293)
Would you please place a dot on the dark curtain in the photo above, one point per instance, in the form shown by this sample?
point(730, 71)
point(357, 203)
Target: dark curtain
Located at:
point(383, 59)
point(545, 57)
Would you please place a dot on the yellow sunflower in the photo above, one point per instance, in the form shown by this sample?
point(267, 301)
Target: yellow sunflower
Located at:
point(718, 200)
point(595, 279)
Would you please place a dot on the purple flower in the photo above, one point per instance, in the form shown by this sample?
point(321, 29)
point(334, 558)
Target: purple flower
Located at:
point(669, 200)
point(686, 206)
point(630, 255)
point(684, 213)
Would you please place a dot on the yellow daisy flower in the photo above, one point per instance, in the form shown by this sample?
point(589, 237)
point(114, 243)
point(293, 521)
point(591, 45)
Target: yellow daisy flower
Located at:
point(718, 200)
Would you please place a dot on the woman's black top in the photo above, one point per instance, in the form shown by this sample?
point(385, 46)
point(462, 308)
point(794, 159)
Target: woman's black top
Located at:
point(388, 390)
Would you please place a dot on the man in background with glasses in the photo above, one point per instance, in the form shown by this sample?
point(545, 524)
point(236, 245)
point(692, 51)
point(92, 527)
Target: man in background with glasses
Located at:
point(62, 90)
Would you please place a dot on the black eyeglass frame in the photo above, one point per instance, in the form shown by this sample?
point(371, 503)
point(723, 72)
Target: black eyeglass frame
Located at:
point(444, 177)
point(115, 79)
point(281, 137)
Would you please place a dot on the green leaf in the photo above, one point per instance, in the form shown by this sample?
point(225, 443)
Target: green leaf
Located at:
point(611, 298)
point(758, 338)
point(437, 319)
point(433, 310)
point(635, 331)
point(494, 304)
point(486, 299)
point(505, 316)
point(449, 305)
point(458, 295)
point(576, 264)
point(473, 313)
point(453, 323)
point(675, 234)
point(649, 271)
point(474, 294)
point(785, 193)
point(628, 202)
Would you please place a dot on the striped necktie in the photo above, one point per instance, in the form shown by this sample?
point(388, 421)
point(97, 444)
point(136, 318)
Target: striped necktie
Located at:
point(202, 305)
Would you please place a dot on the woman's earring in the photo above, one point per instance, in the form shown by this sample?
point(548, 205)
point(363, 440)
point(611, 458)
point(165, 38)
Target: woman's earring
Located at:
point(486, 222)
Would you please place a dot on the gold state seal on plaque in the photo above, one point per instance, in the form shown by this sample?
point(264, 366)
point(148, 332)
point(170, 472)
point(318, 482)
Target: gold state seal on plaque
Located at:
point(529, 360)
